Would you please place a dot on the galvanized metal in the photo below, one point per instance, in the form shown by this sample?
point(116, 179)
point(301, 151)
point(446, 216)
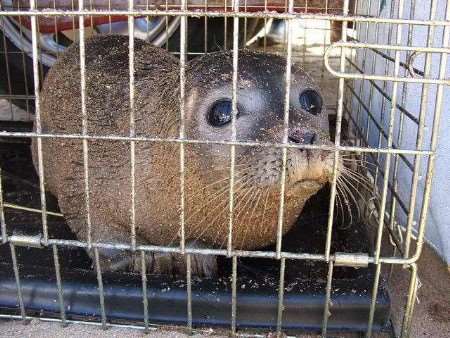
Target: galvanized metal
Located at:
point(355, 67)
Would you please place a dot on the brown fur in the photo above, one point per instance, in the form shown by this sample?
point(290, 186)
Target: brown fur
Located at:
point(157, 199)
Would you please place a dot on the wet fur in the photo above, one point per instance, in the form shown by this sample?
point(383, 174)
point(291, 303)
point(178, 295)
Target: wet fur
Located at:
point(157, 199)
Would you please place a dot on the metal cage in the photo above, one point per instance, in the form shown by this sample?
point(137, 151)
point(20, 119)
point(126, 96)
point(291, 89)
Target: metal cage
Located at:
point(375, 65)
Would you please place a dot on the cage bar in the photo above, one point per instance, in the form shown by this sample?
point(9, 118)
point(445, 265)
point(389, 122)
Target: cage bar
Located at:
point(354, 51)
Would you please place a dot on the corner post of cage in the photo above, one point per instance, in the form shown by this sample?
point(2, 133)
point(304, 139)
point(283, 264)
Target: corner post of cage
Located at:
point(387, 164)
point(420, 135)
point(434, 141)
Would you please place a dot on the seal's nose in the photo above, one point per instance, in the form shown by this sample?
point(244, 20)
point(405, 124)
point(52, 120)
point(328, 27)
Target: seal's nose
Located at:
point(302, 137)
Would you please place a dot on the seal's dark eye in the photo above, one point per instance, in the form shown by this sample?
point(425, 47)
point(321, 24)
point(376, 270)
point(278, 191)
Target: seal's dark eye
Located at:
point(311, 101)
point(220, 113)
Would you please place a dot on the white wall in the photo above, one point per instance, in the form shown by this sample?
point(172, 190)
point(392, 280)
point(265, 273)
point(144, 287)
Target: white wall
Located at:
point(438, 228)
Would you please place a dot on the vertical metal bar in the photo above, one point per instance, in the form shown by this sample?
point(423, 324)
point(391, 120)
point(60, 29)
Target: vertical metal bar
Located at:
point(373, 300)
point(364, 56)
point(326, 308)
point(305, 27)
point(384, 100)
point(399, 141)
point(287, 86)
point(110, 17)
point(167, 26)
point(24, 64)
point(8, 72)
point(281, 298)
point(233, 123)
point(100, 285)
point(245, 24)
point(205, 28)
point(189, 291)
point(233, 296)
point(265, 29)
point(17, 277)
point(2, 212)
point(420, 134)
point(386, 177)
point(325, 36)
point(183, 28)
point(132, 124)
point(390, 139)
point(412, 291)
point(62, 310)
point(37, 121)
point(374, 63)
point(225, 26)
point(84, 122)
point(144, 289)
point(337, 138)
point(434, 140)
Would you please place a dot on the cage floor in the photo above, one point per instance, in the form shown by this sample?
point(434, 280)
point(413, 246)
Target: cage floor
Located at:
point(257, 285)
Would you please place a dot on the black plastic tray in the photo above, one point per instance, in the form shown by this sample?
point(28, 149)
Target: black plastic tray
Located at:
point(257, 285)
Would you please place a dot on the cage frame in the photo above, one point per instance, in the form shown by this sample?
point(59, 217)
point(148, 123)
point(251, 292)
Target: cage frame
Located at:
point(392, 153)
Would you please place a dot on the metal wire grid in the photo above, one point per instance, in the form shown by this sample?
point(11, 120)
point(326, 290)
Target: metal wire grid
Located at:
point(392, 149)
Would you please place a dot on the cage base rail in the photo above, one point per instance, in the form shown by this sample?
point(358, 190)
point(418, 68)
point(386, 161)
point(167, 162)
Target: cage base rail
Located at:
point(211, 301)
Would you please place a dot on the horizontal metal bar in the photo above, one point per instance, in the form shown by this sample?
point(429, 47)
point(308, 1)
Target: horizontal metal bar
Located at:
point(239, 143)
point(397, 48)
point(16, 97)
point(20, 207)
point(360, 45)
point(215, 252)
point(152, 327)
point(389, 58)
point(360, 260)
point(71, 321)
point(24, 240)
point(262, 14)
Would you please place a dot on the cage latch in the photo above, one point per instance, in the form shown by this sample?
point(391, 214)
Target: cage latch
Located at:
point(358, 260)
point(26, 240)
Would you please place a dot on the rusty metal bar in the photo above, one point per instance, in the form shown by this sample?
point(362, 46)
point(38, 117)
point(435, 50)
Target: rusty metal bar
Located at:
point(62, 310)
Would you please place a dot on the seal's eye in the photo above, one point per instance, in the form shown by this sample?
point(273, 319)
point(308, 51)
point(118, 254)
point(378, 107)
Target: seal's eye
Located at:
point(220, 113)
point(311, 101)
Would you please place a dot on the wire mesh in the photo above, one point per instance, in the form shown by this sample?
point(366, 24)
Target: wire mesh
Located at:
point(369, 100)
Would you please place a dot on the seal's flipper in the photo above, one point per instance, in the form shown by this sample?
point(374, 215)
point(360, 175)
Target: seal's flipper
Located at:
point(159, 263)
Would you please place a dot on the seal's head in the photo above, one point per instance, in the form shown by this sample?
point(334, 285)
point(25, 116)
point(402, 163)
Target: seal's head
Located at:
point(261, 96)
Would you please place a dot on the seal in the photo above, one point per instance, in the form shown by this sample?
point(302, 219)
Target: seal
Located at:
point(207, 117)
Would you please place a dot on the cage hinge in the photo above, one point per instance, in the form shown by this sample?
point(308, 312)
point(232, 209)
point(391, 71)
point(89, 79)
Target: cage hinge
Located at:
point(359, 260)
point(26, 240)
